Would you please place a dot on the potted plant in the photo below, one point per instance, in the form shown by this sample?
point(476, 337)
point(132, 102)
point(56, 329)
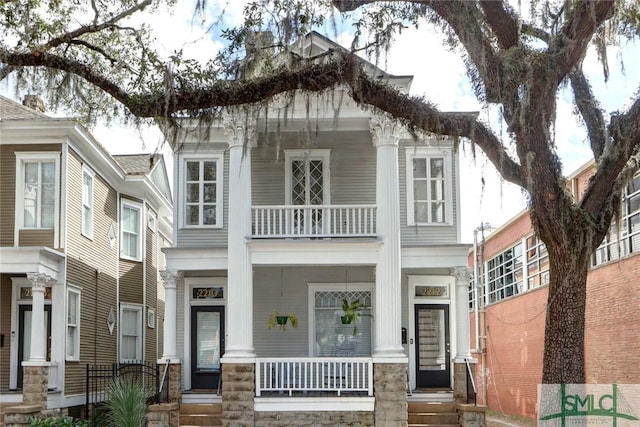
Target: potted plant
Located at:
point(280, 319)
point(351, 312)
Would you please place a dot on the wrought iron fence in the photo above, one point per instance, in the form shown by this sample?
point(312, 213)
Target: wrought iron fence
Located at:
point(99, 379)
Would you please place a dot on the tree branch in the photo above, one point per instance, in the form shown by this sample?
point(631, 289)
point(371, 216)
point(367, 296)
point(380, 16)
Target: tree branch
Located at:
point(501, 19)
point(568, 47)
point(590, 111)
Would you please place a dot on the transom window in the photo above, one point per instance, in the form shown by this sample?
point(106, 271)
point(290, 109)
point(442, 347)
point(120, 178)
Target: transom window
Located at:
point(202, 201)
point(37, 189)
point(428, 187)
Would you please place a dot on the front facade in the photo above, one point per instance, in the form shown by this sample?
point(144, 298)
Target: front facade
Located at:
point(81, 234)
point(283, 213)
point(512, 267)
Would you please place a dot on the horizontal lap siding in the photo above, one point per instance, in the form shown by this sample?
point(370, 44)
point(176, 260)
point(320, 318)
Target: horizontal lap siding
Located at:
point(131, 282)
point(426, 235)
point(91, 266)
point(8, 194)
point(36, 238)
point(151, 265)
point(287, 290)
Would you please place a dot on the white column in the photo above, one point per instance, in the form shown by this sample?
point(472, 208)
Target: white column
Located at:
point(388, 314)
point(170, 281)
point(242, 136)
point(38, 352)
point(462, 276)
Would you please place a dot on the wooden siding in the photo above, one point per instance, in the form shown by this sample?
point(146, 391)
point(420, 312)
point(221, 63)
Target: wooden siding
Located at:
point(131, 282)
point(92, 266)
point(203, 237)
point(98, 297)
point(420, 235)
point(292, 295)
point(5, 328)
point(8, 189)
point(42, 237)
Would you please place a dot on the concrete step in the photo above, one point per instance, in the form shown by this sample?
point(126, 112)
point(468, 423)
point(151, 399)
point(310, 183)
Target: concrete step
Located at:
point(433, 418)
point(431, 407)
point(200, 408)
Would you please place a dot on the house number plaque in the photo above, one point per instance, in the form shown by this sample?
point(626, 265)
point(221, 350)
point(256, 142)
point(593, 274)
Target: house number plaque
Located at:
point(25, 293)
point(431, 291)
point(207, 293)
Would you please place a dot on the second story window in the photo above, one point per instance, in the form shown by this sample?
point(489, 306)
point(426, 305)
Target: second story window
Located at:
point(130, 234)
point(202, 199)
point(37, 190)
point(87, 203)
point(428, 187)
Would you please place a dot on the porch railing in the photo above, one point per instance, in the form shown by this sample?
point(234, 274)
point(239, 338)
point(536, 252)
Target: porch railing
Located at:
point(306, 221)
point(314, 374)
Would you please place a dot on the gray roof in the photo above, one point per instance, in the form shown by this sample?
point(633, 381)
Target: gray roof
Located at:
point(12, 110)
point(137, 164)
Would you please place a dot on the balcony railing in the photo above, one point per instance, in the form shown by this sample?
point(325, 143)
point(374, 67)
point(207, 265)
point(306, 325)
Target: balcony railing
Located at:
point(309, 221)
point(314, 374)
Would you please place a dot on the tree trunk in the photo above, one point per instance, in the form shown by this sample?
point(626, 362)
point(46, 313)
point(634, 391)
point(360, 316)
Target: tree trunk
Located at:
point(564, 352)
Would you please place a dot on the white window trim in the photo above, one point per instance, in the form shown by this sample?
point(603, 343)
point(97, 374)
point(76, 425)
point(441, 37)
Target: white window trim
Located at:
point(151, 318)
point(319, 287)
point(423, 152)
point(217, 156)
point(140, 310)
point(152, 220)
point(132, 205)
point(324, 155)
point(21, 157)
point(76, 350)
point(87, 172)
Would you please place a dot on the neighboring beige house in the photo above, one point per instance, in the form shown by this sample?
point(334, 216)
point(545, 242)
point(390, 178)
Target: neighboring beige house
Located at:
point(81, 234)
point(296, 210)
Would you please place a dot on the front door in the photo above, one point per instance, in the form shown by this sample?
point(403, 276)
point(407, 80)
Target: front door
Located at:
point(24, 336)
point(207, 346)
point(433, 368)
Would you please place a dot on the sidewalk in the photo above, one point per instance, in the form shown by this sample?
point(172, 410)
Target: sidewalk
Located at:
point(496, 419)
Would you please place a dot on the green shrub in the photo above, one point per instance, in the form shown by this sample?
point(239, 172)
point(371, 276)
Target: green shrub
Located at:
point(127, 403)
point(61, 421)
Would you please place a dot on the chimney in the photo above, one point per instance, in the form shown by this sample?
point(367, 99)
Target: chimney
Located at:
point(34, 102)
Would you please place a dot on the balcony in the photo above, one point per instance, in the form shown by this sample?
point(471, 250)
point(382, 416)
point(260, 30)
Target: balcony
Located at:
point(313, 221)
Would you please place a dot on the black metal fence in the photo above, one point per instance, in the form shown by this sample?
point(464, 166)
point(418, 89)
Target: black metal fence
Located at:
point(99, 379)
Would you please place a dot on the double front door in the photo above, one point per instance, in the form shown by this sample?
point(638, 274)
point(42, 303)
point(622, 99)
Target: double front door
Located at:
point(24, 336)
point(433, 356)
point(207, 346)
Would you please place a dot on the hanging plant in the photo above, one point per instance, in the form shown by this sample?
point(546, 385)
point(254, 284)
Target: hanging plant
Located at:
point(280, 319)
point(351, 313)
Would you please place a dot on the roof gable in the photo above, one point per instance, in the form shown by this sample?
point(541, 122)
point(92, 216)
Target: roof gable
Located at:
point(12, 110)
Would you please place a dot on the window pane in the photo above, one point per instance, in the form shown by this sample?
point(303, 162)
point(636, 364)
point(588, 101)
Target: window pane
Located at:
point(192, 215)
point(71, 340)
point(422, 212)
point(31, 173)
point(193, 193)
point(437, 190)
point(437, 212)
point(129, 321)
point(72, 307)
point(209, 193)
point(193, 171)
point(419, 168)
point(420, 190)
point(209, 171)
point(209, 214)
point(437, 168)
point(48, 173)
point(128, 344)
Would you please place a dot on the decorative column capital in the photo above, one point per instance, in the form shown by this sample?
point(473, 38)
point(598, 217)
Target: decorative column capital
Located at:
point(241, 126)
point(462, 275)
point(39, 281)
point(170, 278)
point(385, 131)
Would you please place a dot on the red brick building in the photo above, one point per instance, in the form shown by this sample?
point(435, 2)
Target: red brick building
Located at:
point(512, 270)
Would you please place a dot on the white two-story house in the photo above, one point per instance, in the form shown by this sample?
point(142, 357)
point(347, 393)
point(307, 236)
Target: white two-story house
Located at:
point(297, 210)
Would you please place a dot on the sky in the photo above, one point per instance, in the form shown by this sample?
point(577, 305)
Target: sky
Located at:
point(440, 76)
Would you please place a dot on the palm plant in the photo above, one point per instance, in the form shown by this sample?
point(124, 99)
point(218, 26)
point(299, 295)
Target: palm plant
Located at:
point(127, 403)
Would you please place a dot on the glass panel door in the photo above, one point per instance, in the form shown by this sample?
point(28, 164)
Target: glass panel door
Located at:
point(207, 346)
point(432, 346)
point(24, 336)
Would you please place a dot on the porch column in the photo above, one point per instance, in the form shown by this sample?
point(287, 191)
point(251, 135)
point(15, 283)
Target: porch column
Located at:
point(462, 276)
point(37, 352)
point(388, 320)
point(241, 129)
point(170, 281)
point(36, 369)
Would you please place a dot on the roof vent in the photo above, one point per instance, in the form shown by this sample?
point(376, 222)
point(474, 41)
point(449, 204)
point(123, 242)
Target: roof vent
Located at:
point(34, 102)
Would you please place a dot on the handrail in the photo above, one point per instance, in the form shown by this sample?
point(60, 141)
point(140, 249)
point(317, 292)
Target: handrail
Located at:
point(471, 377)
point(164, 375)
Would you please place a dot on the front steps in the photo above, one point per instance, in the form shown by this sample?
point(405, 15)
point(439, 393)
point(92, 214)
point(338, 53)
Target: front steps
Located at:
point(441, 414)
point(200, 414)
